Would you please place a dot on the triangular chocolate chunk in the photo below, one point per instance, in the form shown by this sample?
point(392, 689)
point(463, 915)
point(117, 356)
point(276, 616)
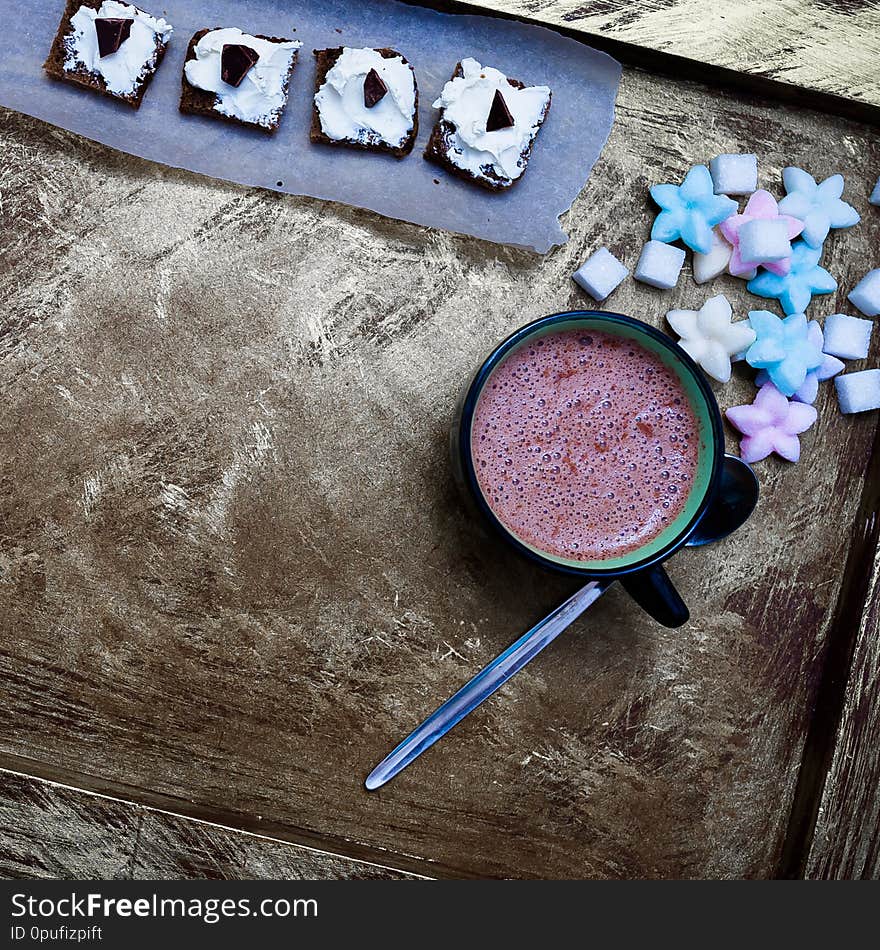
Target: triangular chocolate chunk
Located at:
point(499, 114)
point(235, 62)
point(375, 89)
point(112, 33)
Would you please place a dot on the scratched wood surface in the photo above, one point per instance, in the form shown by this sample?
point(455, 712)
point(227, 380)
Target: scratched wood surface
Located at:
point(235, 569)
point(54, 832)
point(847, 838)
point(829, 47)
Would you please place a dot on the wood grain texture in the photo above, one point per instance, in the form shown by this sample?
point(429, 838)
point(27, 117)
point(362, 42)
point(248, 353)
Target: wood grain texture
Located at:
point(54, 832)
point(234, 567)
point(846, 844)
point(818, 46)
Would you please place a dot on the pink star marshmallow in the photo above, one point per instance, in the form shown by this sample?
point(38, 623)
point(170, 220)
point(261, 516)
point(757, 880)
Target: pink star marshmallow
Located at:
point(771, 424)
point(761, 206)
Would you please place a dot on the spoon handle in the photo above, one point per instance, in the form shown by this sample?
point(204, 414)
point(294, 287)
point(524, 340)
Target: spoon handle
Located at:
point(481, 687)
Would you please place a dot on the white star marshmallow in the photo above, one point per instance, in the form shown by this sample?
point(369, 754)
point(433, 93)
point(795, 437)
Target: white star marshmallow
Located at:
point(710, 338)
point(711, 265)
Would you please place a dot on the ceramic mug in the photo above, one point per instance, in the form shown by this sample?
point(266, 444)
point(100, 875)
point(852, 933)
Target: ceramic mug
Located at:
point(714, 501)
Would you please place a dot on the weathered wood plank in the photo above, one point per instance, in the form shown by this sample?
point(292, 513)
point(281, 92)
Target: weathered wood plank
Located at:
point(47, 831)
point(847, 838)
point(810, 45)
point(234, 566)
point(55, 832)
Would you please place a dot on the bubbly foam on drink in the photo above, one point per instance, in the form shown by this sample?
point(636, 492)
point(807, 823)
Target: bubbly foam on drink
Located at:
point(585, 445)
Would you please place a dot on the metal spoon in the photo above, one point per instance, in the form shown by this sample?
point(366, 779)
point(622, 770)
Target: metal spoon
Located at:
point(734, 502)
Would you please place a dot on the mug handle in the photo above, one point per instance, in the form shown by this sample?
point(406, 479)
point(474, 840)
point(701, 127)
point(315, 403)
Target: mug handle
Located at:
point(654, 592)
point(734, 501)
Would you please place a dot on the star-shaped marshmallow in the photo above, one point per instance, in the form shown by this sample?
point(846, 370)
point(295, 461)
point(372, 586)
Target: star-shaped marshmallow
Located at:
point(760, 207)
point(771, 424)
point(711, 265)
point(819, 206)
point(709, 337)
point(785, 348)
point(795, 289)
point(828, 368)
point(690, 210)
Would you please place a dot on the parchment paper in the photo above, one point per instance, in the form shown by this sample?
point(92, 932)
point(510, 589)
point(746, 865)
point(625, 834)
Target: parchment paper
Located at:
point(584, 84)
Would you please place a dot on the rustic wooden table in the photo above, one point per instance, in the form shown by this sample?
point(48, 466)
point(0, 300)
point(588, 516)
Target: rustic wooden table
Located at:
point(233, 567)
point(814, 51)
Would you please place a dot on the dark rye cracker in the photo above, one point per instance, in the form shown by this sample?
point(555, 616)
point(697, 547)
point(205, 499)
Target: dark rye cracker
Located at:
point(325, 60)
point(194, 101)
point(81, 76)
point(443, 135)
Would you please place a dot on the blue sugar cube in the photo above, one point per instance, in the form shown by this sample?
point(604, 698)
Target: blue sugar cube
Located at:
point(847, 337)
point(600, 273)
point(866, 295)
point(734, 174)
point(875, 194)
point(859, 392)
point(660, 265)
point(764, 240)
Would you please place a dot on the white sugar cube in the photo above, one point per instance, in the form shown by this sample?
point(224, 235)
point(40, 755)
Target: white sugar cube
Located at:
point(711, 265)
point(734, 174)
point(847, 337)
point(600, 273)
point(764, 240)
point(859, 392)
point(660, 265)
point(866, 295)
point(875, 194)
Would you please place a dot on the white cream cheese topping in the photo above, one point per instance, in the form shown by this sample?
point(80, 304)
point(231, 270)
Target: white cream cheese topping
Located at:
point(466, 101)
point(261, 96)
point(340, 100)
point(122, 71)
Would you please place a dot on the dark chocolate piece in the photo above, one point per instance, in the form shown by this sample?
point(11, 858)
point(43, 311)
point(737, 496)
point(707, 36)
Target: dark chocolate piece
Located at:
point(499, 114)
point(375, 89)
point(236, 61)
point(112, 33)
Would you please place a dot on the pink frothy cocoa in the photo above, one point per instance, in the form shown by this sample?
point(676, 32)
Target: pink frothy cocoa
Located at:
point(585, 445)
